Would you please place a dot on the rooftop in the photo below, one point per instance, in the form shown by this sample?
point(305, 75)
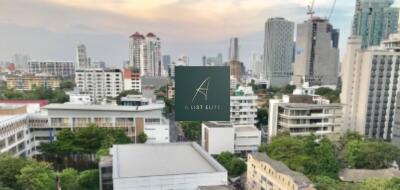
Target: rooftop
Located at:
point(7, 119)
point(217, 124)
point(142, 160)
point(359, 175)
point(304, 106)
point(246, 129)
point(280, 167)
point(106, 107)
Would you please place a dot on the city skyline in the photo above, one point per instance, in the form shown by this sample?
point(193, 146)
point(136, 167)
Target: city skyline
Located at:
point(105, 27)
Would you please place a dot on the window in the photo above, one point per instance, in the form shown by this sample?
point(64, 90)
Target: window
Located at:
point(152, 120)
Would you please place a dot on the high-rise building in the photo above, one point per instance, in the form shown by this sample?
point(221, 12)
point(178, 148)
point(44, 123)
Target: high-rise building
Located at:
point(99, 83)
point(256, 62)
point(54, 68)
point(132, 80)
point(83, 61)
point(166, 62)
point(234, 49)
point(317, 58)
point(374, 20)
point(370, 86)
point(214, 61)
point(145, 54)
point(278, 51)
point(20, 61)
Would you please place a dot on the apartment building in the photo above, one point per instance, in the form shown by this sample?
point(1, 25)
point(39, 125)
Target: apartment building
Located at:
point(134, 120)
point(54, 68)
point(28, 82)
point(304, 115)
point(243, 106)
point(370, 86)
point(132, 80)
point(138, 166)
point(99, 83)
point(268, 174)
point(218, 137)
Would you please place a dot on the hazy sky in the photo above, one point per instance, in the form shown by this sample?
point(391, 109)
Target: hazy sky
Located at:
point(51, 29)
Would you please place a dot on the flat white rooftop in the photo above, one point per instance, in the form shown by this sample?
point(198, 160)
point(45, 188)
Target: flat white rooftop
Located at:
point(106, 107)
point(144, 160)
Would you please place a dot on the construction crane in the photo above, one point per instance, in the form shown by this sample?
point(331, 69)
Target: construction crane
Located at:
point(332, 9)
point(310, 7)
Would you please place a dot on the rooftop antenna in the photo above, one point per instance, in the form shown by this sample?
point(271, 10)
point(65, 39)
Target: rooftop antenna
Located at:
point(310, 8)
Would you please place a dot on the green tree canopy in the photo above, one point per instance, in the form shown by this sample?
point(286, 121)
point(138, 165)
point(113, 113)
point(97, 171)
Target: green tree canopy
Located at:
point(69, 179)
point(9, 168)
point(235, 165)
point(89, 180)
point(37, 176)
point(332, 95)
point(192, 130)
point(142, 138)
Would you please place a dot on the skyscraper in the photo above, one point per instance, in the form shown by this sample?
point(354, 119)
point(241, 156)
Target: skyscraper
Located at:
point(278, 51)
point(234, 49)
point(145, 54)
point(374, 20)
point(20, 61)
point(257, 63)
point(83, 62)
point(317, 58)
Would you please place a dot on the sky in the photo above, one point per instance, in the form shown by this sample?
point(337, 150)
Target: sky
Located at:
point(51, 29)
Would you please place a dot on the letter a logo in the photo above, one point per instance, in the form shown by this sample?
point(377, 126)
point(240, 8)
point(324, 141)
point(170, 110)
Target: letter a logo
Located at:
point(203, 89)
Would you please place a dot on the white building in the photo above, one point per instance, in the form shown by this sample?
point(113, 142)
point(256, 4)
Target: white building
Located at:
point(218, 137)
point(54, 68)
point(20, 61)
point(132, 80)
point(256, 63)
point(100, 83)
point(303, 115)
point(145, 54)
point(243, 106)
point(370, 86)
point(134, 120)
point(278, 51)
point(181, 61)
point(76, 97)
point(14, 135)
point(160, 166)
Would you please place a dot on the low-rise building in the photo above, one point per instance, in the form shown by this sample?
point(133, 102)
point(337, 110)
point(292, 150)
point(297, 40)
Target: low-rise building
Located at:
point(219, 137)
point(135, 100)
point(266, 173)
point(28, 82)
point(160, 166)
point(134, 120)
point(303, 115)
point(243, 106)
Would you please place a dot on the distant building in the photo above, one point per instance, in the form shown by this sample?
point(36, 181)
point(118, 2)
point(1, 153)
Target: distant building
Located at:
point(98, 64)
point(374, 20)
point(236, 69)
point(218, 137)
point(370, 84)
point(257, 64)
point(54, 68)
point(243, 106)
point(100, 83)
point(278, 51)
point(266, 173)
point(135, 100)
point(234, 49)
point(303, 115)
point(145, 54)
point(183, 166)
point(132, 80)
point(28, 82)
point(166, 62)
point(83, 61)
point(181, 61)
point(77, 97)
point(134, 120)
point(214, 61)
point(317, 56)
point(20, 61)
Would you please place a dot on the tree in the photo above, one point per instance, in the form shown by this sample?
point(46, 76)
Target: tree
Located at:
point(192, 130)
point(68, 179)
point(376, 184)
point(37, 176)
point(67, 85)
point(262, 117)
point(332, 95)
point(233, 164)
point(89, 180)
point(142, 138)
point(10, 167)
